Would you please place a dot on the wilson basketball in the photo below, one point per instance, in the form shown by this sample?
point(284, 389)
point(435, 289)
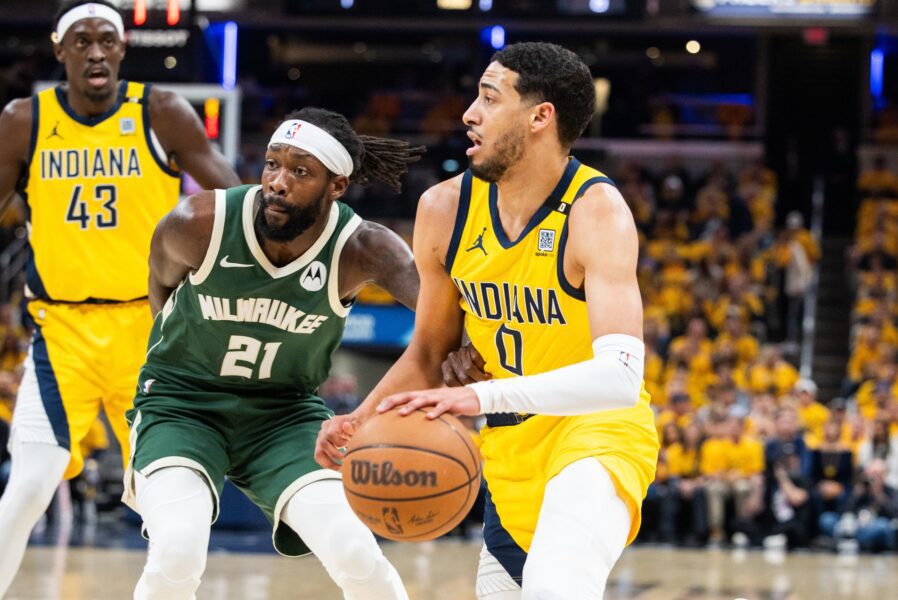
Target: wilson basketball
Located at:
point(411, 478)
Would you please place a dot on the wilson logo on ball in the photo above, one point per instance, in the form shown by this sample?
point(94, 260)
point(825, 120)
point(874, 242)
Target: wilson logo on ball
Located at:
point(365, 472)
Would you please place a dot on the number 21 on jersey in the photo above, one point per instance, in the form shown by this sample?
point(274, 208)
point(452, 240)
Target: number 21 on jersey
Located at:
point(243, 352)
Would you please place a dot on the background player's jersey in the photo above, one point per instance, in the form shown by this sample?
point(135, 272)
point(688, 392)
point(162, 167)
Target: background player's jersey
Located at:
point(525, 318)
point(95, 189)
point(240, 323)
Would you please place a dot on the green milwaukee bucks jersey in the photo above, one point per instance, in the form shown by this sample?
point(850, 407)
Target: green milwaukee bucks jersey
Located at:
point(241, 324)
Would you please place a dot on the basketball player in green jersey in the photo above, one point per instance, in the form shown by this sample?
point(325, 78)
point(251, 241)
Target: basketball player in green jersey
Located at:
point(251, 287)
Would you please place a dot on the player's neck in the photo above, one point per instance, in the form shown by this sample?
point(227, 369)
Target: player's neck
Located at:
point(525, 187)
point(85, 107)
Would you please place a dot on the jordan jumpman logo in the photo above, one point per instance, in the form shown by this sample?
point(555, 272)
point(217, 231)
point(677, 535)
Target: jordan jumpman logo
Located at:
point(54, 132)
point(479, 243)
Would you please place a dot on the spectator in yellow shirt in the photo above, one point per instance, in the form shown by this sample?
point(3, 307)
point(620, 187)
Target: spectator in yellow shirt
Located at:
point(878, 179)
point(734, 333)
point(733, 468)
point(865, 356)
point(772, 373)
point(687, 483)
point(811, 414)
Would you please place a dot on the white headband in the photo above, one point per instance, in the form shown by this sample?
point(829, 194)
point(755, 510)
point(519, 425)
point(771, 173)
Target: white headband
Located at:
point(315, 141)
point(89, 11)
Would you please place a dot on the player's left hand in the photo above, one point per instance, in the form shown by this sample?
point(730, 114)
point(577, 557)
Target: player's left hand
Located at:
point(455, 401)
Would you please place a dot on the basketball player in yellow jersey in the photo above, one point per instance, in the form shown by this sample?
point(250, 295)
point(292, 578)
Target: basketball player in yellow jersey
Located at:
point(540, 269)
point(97, 161)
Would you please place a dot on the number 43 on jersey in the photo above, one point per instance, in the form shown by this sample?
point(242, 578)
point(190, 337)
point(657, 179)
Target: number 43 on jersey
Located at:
point(79, 211)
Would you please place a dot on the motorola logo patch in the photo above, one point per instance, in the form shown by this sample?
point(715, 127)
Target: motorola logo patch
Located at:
point(314, 276)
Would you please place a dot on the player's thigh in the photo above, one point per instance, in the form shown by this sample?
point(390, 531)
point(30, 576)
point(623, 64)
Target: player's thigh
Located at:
point(59, 397)
point(167, 435)
point(273, 459)
point(582, 529)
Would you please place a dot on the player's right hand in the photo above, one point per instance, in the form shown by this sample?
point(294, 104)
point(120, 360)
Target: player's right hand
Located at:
point(464, 366)
point(335, 433)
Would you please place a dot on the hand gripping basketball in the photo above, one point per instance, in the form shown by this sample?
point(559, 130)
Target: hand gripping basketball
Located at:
point(333, 436)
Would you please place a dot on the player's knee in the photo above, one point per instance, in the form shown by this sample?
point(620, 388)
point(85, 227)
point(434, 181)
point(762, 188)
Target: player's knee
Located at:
point(181, 550)
point(32, 492)
point(357, 560)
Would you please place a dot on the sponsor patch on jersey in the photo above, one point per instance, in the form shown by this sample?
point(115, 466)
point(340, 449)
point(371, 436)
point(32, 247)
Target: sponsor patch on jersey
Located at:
point(314, 276)
point(546, 242)
point(126, 126)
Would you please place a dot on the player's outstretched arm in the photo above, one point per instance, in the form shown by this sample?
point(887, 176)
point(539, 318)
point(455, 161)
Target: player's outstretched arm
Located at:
point(179, 245)
point(184, 138)
point(15, 131)
point(438, 322)
point(375, 254)
point(612, 379)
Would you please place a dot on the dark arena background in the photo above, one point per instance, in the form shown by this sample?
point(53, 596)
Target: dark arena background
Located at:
point(756, 143)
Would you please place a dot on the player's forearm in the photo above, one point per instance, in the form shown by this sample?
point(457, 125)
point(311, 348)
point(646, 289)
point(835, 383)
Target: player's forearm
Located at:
point(413, 371)
point(611, 380)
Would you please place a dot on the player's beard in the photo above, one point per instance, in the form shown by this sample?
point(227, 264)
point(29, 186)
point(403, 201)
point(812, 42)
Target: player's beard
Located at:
point(299, 218)
point(507, 151)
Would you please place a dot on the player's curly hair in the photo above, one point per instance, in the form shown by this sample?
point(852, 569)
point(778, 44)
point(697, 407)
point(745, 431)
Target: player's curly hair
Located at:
point(550, 73)
point(67, 6)
point(373, 158)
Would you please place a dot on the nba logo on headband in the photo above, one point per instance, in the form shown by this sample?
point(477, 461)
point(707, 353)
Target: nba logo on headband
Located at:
point(292, 131)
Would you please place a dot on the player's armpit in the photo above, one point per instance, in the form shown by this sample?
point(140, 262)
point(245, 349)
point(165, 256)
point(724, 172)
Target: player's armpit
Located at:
point(375, 254)
point(179, 245)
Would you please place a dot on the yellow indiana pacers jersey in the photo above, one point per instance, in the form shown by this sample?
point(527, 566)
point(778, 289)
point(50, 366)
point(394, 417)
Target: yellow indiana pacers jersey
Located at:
point(525, 318)
point(95, 187)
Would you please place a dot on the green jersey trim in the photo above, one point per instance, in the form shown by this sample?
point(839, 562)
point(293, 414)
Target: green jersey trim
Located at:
point(304, 259)
point(200, 275)
point(333, 283)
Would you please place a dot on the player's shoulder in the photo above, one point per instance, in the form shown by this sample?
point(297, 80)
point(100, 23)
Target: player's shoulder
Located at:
point(193, 214)
point(602, 204)
point(16, 114)
point(16, 125)
point(440, 202)
point(166, 104)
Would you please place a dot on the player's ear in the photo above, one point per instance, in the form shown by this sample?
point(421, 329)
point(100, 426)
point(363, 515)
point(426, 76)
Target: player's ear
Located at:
point(541, 115)
point(58, 52)
point(338, 186)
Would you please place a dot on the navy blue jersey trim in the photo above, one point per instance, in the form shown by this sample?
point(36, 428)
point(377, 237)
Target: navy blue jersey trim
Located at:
point(97, 119)
point(148, 137)
point(49, 389)
point(570, 290)
point(461, 217)
point(499, 542)
point(550, 204)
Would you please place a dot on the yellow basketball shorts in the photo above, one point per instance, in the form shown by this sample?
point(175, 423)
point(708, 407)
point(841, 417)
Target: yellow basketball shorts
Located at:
point(520, 459)
point(82, 357)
